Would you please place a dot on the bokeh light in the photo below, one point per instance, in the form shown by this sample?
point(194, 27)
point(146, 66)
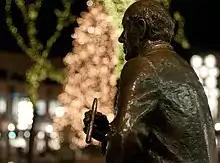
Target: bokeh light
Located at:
point(208, 73)
point(11, 127)
point(217, 126)
point(25, 114)
point(91, 72)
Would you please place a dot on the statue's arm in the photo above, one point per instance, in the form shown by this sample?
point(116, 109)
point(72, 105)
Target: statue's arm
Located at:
point(138, 93)
point(138, 97)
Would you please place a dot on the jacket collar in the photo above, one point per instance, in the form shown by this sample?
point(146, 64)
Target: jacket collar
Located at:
point(154, 46)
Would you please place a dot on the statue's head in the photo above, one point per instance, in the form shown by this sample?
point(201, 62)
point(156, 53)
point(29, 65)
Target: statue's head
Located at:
point(145, 21)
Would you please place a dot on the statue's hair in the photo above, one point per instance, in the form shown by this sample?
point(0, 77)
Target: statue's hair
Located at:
point(159, 22)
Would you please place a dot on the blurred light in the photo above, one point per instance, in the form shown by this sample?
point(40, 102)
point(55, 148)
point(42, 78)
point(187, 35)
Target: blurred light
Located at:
point(210, 60)
point(111, 117)
point(211, 82)
point(11, 127)
point(91, 30)
point(54, 144)
point(27, 134)
point(203, 72)
point(41, 145)
point(22, 126)
point(18, 143)
point(196, 61)
point(213, 102)
point(213, 93)
point(54, 135)
point(213, 105)
point(41, 135)
point(89, 3)
point(53, 104)
point(25, 114)
point(3, 105)
point(21, 142)
point(49, 128)
point(12, 135)
point(41, 107)
point(59, 111)
point(208, 74)
point(213, 72)
point(217, 126)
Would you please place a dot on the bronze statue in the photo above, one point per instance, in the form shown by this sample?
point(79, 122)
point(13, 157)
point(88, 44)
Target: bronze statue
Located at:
point(162, 111)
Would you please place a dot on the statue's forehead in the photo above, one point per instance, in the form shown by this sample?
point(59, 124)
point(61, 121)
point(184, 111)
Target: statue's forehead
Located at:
point(125, 19)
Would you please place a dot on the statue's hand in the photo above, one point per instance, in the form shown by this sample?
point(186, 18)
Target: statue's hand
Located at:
point(101, 125)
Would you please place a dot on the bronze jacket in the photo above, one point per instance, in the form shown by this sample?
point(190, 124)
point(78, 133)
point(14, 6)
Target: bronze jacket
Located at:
point(163, 114)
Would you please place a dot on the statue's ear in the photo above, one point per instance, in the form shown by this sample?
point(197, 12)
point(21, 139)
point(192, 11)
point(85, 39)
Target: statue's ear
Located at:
point(142, 25)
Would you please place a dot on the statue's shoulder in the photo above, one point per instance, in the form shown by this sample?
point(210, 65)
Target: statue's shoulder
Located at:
point(137, 64)
point(137, 67)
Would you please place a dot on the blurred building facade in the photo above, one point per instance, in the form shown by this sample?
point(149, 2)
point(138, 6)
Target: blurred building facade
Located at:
point(16, 111)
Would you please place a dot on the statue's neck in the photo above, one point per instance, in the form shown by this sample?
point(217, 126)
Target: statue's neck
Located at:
point(154, 45)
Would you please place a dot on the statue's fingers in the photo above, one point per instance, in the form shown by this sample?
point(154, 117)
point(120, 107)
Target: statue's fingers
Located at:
point(98, 135)
point(101, 119)
point(94, 131)
point(88, 113)
point(86, 121)
point(99, 114)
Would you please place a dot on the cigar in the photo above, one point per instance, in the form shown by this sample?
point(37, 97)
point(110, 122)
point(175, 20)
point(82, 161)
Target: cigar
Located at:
point(91, 124)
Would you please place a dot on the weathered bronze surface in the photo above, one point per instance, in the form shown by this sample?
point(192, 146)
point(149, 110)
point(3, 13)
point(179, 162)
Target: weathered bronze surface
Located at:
point(162, 111)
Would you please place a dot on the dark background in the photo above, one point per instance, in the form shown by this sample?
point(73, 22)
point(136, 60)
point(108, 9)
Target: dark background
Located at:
point(201, 26)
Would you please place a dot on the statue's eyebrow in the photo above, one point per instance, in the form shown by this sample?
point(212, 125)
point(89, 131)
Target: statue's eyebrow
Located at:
point(124, 20)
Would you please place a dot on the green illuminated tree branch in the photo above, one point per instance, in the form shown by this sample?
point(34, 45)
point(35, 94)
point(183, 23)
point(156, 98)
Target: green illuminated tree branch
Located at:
point(180, 35)
point(38, 52)
point(116, 9)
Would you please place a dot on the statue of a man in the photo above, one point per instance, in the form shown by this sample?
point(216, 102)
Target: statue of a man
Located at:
point(162, 111)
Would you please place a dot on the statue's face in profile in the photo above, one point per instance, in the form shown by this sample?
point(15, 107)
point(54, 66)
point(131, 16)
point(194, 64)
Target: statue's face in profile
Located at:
point(145, 22)
point(129, 38)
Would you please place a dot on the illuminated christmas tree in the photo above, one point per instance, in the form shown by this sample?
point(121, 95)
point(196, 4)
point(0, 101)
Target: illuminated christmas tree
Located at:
point(116, 9)
point(90, 71)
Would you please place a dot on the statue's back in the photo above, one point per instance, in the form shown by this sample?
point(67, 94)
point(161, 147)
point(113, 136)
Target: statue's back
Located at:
point(182, 127)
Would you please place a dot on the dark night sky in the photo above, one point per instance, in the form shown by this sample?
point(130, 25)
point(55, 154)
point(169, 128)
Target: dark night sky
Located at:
point(201, 25)
point(45, 24)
